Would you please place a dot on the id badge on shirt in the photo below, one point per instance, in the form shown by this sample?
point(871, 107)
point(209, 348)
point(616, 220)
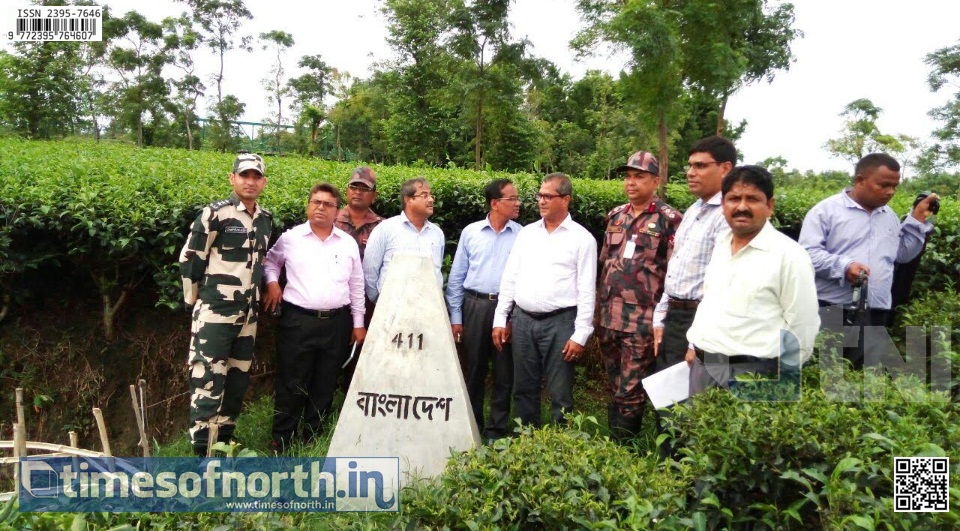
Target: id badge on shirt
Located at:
point(630, 247)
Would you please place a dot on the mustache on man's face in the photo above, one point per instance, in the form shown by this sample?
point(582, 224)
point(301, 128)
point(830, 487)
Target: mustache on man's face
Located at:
point(743, 214)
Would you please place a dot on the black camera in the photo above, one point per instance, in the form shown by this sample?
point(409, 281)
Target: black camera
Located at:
point(934, 206)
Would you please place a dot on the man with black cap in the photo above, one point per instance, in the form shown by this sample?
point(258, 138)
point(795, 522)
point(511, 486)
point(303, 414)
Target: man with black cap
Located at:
point(357, 219)
point(222, 268)
point(633, 260)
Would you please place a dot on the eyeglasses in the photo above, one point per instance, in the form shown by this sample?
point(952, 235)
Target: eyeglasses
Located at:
point(423, 195)
point(549, 197)
point(359, 188)
point(701, 165)
point(325, 204)
point(511, 199)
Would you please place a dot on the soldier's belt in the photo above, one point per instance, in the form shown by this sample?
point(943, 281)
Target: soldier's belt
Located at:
point(683, 304)
point(543, 315)
point(479, 295)
point(319, 314)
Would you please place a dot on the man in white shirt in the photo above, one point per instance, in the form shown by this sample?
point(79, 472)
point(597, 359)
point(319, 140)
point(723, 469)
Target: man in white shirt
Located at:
point(550, 285)
point(759, 310)
point(410, 231)
point(322, 310)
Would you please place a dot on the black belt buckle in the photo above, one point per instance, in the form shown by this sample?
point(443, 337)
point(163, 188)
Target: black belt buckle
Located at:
point(483, 296)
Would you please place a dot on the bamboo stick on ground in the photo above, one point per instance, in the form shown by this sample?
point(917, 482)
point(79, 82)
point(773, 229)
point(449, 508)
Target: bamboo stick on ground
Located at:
point(20, 416)
point(212, 432)
point(97, 414)
point(139, 417)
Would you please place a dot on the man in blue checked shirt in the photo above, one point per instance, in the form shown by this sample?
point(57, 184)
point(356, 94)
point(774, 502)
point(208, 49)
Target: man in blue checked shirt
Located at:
point(710, 160)
point(472, 296)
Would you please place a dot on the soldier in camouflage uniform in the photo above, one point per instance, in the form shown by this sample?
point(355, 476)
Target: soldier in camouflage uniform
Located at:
point(358, 220)
point(222, 267)
point(636, 246)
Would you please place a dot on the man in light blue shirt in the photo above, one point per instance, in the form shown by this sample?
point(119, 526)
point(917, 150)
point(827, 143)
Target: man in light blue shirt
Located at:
point(472, 292)
point(855, 231)
point(409, 232)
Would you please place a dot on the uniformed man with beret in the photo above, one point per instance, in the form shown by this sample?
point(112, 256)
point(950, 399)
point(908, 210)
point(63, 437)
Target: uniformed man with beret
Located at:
point(633, 261)
point(222, 268)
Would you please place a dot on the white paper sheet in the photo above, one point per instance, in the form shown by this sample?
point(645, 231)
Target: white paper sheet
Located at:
point(668, 386)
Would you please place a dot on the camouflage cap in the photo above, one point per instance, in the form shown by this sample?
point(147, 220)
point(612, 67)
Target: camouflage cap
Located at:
point(643, 161)
point(248, 161)
point(363, 175)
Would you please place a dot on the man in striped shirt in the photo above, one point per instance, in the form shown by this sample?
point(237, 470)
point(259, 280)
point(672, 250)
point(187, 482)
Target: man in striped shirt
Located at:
point(710, 160)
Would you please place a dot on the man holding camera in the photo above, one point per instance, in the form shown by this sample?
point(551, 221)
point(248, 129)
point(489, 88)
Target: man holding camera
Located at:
point(854, 235)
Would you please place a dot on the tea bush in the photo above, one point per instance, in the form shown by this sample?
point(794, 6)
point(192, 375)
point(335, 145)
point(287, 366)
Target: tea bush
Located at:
point(121, 213)
point(549, 478)
point(817, 462)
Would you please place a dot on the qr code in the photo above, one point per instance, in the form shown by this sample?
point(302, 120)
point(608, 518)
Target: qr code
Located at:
point(921, 484)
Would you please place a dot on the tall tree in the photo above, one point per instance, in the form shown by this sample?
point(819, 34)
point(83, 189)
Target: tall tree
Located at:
point(677, 46)
point(309, 90)
point(277, 89)
point(138, 57)
point(181, 40)
point(220, 22)
point(861, 135)
point(37, 88)
point(945, 74)
point(734, 43)
point(651, 33)
point(423, 113)
point(481, 38)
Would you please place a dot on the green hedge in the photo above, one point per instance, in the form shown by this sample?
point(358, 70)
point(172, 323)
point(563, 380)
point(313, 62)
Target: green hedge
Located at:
point(121, 213)
point(814, 463)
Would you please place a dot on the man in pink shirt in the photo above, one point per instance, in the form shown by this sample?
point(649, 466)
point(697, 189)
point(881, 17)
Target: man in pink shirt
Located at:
point(322, 302)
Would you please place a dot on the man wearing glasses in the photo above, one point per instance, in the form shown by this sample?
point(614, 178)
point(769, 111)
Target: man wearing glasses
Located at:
point(710, 160)
point(323, 306)
point(472, 289)
point(636, 246)
point(358, 220)
point(410, 231)
point(550, 285)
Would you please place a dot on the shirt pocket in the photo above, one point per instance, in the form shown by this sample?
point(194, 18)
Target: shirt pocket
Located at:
point(234, 244)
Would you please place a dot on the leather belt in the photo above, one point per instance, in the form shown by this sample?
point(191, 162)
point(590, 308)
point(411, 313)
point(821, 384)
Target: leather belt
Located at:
point(743, 358)
point(479, 295)
point(319, 314)
point(683, 304)
point(543, 315)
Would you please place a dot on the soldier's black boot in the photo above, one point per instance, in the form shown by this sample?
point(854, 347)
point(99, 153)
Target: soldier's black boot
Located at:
point(200, 451)
point(632, 427)
point(616, 424)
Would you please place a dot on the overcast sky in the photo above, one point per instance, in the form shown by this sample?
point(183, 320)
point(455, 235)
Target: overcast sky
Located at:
point(851, 49)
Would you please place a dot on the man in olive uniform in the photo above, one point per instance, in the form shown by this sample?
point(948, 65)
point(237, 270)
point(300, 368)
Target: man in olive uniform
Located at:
point(636, 247)
point(222, 267)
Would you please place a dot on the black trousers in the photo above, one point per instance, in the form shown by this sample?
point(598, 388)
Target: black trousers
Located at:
point(673, 348)
point(480, 354)
point(854, 324)
point(310, 351)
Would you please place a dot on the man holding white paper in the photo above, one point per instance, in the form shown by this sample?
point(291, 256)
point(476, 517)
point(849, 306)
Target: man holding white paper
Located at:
point(759, 312)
